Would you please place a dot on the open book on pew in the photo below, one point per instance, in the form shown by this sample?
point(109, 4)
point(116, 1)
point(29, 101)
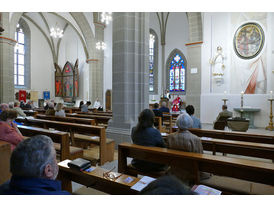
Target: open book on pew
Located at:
point(205, 190)
point(142, 183)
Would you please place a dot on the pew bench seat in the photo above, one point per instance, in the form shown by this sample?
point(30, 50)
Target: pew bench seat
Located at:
point(86, 141)
point(75, 152)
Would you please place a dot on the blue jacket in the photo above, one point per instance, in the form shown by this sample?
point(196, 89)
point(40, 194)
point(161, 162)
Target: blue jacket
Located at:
point(147, 137)
point(32, 186)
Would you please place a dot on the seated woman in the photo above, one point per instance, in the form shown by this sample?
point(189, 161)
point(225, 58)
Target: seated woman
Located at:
point(185, 141)
point(144, 134)
point(50, 110)
point(59, 110)
point(81, 103)
point(8, 129)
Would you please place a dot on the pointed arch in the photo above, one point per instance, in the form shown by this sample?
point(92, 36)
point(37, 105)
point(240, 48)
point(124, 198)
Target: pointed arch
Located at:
point(178, 59)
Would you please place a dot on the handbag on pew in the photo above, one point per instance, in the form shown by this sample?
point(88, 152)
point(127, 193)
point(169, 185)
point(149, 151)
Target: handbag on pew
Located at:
point(79, 164)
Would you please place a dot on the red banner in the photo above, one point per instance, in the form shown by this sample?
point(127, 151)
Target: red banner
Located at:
point(22, 95)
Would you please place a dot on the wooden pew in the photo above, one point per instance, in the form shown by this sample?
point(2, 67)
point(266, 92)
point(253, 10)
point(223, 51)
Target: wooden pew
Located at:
point(250, 149)
point(237, 136)
point(158, 121)
point(96, 113)
point(61, 138)
point(98, 119)
point(254, 171)
point(30, 113)
point(167, 118)
point(5, 153)
point(96, 180)
point(96, 135)
point(67, 119)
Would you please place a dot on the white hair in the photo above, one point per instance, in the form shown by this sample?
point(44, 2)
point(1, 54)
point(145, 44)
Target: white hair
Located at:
point(184, 121)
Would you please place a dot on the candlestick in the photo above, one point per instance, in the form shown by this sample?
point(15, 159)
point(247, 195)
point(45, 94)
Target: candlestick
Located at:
point(270, 126)
point(242, 99)
point(225, 100)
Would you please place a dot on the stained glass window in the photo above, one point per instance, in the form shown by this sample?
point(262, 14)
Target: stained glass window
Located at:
point(177, 74)
point(151, 62)
point(19, 57)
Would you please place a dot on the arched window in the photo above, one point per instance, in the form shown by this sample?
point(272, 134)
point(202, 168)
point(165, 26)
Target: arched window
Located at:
point(153, 62)
point(19, 57)
point(176, 72)
point(22, 56)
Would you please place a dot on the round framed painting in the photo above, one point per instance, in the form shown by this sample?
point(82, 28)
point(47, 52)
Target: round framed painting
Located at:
point(249, 40)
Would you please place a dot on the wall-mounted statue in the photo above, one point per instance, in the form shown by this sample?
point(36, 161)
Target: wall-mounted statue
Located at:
point(67, 81)
point(218, 63)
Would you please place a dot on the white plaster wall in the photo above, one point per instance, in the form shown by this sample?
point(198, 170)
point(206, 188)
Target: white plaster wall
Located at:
point(176, 33)
point(107, 61)
point(218, 30)
point(42, 68)
point(72, 49)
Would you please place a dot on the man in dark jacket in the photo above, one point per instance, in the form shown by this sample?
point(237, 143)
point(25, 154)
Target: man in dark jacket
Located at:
point(34, 169)
point(157, 113)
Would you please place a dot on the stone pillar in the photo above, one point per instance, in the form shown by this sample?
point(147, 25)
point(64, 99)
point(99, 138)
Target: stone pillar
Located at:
point(6, 62)
point(193, 82)
point(130, 73)
point(194, 51)
point(97, 71)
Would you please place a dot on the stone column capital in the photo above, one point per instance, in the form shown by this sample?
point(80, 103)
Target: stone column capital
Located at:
point(7, 40)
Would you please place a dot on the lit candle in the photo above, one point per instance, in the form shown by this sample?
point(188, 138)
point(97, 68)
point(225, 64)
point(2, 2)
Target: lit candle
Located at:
point(242, 93)
point(271, 95)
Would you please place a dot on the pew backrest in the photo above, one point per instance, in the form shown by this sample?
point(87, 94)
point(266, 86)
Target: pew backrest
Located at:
point(254, 171)
point(67, 119)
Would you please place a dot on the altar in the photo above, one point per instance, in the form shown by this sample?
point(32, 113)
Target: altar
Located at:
point(248, 112)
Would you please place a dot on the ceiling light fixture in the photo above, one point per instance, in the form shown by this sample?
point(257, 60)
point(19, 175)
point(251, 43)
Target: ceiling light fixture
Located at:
point(106, 17)
point(56, 32)
point(101, 45)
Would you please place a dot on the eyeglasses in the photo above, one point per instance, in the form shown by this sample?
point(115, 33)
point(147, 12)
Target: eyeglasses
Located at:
point(111, 175)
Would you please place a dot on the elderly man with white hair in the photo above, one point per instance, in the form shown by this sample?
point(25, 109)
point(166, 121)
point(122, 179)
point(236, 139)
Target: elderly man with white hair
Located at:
point(34, 169)
point(185, 141)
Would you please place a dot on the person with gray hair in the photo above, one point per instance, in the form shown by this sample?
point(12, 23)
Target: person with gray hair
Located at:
point(18, 109)
point(34, 169)
point(4, 107)
point(185, 141)
point(50, 110)
point(164, 108)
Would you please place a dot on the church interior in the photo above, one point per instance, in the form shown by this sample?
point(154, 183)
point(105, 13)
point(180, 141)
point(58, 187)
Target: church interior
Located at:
point(128, 62)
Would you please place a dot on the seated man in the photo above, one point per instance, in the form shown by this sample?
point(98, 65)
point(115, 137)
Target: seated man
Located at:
point(157, 112)
point(34, 168)
point(224, 113)
point(164, 108)
point(196, 122)
point(18, 109)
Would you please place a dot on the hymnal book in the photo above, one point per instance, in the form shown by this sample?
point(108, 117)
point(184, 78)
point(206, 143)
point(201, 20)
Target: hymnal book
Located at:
point(79, 164)
point(142, 183)
point(205, 190)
